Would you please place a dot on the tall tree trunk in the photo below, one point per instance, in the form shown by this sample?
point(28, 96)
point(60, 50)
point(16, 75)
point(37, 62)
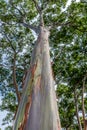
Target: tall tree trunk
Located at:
point(38, 107)
point(77, 111)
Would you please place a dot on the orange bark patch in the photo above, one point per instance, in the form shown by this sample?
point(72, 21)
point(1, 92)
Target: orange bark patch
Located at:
point(38, 84)
point(33, 68)
point(26, 114)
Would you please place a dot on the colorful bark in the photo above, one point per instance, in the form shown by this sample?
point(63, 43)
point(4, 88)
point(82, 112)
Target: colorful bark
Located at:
point(39, 113)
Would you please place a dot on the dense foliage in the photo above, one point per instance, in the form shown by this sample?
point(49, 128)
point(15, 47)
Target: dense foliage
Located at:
point(68, 50)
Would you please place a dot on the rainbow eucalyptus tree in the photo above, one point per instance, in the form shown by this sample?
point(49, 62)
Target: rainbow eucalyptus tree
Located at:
point(38, 108)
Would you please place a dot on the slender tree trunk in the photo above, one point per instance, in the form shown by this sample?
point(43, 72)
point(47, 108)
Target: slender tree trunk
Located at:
point(14, 77)
point(83, 106)
point(77, 111)
point(38, 107)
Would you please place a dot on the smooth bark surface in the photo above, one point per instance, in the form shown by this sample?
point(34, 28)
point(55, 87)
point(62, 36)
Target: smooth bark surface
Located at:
point(38, 107)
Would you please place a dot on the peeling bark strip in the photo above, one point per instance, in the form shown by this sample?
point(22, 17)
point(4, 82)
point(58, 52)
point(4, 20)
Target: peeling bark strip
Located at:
point(26, 114)
point(38, 107)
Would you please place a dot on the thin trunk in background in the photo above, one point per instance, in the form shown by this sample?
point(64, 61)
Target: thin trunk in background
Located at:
point(14, 77)
point(83, 105)
point(77, 110)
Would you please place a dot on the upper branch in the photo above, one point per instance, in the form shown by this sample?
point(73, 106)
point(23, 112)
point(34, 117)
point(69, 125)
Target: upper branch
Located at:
point(53, 25)
point(40, 11)
point(8, 39)
point(22, 19)
point(68, 23)
point(37, 6)
point(34, 28)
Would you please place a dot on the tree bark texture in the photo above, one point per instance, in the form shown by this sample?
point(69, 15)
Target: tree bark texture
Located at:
point(38, 107)
point(85, 124)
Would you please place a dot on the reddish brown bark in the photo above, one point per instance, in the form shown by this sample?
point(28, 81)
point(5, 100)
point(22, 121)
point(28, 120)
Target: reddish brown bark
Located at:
point(26, 114)
point(85, 124)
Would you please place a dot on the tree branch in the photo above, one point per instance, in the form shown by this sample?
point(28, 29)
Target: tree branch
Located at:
point(15, 7)
point(21, 20)
point(18, 10)
point(53, 25)
point(37, 6)
point(34, 28)
point(9, 41)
